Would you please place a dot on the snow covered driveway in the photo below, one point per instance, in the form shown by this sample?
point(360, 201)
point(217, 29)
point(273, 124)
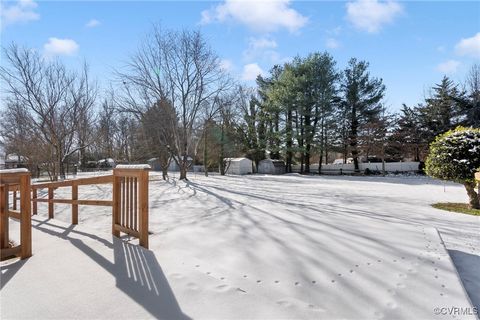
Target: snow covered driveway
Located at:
point(258, 247)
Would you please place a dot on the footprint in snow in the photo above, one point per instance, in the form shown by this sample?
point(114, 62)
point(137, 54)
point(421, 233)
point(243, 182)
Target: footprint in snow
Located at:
point(284, 303)
point(315, 308)
point(391, 291)
point(299, 304)
point(193, 286)
point(222, 288)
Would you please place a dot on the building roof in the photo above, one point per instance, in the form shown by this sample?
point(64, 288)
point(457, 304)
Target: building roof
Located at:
point(236, 159)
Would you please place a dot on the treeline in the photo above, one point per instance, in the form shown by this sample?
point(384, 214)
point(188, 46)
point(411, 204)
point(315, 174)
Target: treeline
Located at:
point(173, 101)
point(309, 109)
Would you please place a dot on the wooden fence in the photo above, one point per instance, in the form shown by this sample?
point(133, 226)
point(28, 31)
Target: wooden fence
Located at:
point(129, 200)
point(73, 201)
point(19, 181)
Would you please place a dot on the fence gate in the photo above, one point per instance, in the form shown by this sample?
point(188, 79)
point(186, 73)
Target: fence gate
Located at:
point(15, 179)
point(130, 202)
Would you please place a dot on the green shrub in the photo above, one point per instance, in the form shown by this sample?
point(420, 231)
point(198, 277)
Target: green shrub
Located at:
point(455, 156)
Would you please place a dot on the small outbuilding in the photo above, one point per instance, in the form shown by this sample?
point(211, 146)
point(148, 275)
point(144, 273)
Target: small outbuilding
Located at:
point(173, 166)
point(238, 166)
point(154, 163)
point(13, 161)
point(106, 163)
point(271, 166)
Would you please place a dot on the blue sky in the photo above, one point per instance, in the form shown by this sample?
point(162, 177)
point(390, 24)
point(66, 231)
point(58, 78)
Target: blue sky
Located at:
point(411, 45)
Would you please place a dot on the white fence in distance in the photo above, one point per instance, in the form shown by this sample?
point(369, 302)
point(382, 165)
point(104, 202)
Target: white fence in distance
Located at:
point(373, 166)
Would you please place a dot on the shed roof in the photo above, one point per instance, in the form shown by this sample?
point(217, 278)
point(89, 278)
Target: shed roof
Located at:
point(236, 159)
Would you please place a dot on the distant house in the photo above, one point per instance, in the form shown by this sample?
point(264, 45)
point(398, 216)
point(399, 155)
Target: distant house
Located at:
point(271, 166)
point(238, 166)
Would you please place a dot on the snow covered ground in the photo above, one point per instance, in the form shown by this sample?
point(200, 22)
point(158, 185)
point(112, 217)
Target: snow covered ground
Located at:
point(257, 247)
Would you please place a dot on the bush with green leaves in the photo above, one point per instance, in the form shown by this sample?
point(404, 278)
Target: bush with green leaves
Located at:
point(455, 156)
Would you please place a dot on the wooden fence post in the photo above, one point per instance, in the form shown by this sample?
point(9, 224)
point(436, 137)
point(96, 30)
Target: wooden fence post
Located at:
point(50, 203)
point(143, 216)
point(14, 178)
point(26, 218)
point(14, 203)
point(4, 216)
point(74, 203)
point(116, 210)
point(34, 202)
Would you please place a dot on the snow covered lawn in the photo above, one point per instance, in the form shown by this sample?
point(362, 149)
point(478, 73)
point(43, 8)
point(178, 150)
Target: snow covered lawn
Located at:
point(256, 247)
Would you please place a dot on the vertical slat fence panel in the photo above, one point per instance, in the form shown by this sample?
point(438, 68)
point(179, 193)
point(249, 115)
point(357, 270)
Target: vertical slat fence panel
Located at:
point(133, 203)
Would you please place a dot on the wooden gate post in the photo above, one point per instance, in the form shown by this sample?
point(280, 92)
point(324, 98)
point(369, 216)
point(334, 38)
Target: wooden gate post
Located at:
point(25, 217)
point(130, 202)
point(20, 178)
point(4, 229)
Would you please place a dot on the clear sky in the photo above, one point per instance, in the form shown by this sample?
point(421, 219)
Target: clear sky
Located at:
point(410, 44)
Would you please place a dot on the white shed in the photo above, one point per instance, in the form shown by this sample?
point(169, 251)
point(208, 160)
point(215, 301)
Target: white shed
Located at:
point(238, 165)
point(173, 166)
point(271, 166)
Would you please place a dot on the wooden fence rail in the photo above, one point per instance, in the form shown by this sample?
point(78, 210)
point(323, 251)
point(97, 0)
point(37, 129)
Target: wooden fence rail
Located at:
point(74, 201)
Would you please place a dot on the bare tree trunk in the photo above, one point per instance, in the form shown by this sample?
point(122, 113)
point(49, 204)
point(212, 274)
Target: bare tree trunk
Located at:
point(222, 150)
point(473, 202)
point(183, 173)
point(205, 149)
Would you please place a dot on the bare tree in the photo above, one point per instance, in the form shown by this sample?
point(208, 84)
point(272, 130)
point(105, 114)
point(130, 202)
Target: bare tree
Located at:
point(178, 66)
point(20, 137)
point(54, 99)
point(159, 126)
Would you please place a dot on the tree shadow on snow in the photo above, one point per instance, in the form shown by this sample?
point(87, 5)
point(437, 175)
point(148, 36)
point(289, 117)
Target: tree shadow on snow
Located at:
point(8, 270)
point(467, 267)
point(136, 270)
